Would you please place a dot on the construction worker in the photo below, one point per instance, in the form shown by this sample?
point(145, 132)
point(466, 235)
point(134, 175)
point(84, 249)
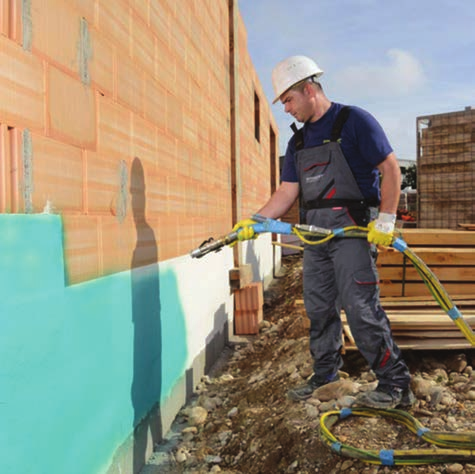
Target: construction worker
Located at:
point(334, 162)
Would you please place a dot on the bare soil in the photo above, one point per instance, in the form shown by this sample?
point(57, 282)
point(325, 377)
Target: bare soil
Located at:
point(252, 427)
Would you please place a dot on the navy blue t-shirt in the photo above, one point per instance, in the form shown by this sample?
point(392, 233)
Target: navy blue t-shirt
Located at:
point(363, 142)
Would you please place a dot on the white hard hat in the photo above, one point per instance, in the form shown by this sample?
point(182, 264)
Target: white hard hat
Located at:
point(292, 70)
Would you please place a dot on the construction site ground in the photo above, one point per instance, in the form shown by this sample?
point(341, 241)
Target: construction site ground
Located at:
point(241, 421)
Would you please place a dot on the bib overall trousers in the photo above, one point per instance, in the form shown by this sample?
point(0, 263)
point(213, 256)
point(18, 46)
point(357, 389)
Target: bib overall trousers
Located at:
point(341, 273)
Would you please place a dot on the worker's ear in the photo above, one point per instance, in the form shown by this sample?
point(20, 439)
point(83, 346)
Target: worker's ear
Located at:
point(308, 89)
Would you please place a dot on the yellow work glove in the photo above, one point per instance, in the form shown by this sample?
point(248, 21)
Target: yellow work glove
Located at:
point(381, 230)
point(246, 232)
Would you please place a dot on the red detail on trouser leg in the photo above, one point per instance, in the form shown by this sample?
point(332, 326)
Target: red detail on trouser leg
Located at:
point(385, 358)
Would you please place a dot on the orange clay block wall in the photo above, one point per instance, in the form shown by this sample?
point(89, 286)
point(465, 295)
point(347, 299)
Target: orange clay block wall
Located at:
point(117, 115)
point(258, 157)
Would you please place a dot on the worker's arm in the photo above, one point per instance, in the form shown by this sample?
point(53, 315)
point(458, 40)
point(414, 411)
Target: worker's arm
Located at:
point(381, 231)
point(281, 201)
point(278, 204)
point(390, 184)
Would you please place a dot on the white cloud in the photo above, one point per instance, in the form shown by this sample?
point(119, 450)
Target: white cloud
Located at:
point(398, 60)
point(400, 128)
point(402, 74)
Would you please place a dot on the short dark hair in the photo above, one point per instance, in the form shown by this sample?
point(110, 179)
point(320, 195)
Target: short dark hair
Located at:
point(301, 85)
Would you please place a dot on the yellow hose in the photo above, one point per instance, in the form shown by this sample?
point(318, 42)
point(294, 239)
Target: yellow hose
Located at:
point(440, 295)
point(461, 446)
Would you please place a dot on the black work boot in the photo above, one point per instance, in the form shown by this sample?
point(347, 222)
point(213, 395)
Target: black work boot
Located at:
point(385, 397)
point(408, 399)
point(305, 391)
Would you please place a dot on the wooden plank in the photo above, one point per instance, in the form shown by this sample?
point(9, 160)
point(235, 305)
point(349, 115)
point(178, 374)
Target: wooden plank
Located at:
point(402, 302)
point(395, 302)
point(442, 273)
point(420, 289)
point(426, 310)
point(408, 343)
point(433, 344)
point(439, 334)
point(419, 299)
point(437, 237)
point(431, 256)
point(416, 320)
point(433, 313)
point(416, 335)
point(423, 327)
point(467, 226)
point(420, 326)
point(435, 317)
point(347, 332)
point(240, 277)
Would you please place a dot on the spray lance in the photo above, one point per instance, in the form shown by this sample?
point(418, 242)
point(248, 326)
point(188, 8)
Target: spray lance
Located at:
point(263, 225)
point(313, 235)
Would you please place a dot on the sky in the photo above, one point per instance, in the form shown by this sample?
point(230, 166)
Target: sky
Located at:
point(399, 60)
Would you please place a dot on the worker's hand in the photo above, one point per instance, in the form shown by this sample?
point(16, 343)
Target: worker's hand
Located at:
point(381, 230)
point(244, 229)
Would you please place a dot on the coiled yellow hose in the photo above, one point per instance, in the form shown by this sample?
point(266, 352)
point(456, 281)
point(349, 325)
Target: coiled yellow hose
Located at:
point(461, 445)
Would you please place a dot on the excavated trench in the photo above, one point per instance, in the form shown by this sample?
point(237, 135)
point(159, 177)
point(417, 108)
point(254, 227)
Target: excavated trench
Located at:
point(246, 423)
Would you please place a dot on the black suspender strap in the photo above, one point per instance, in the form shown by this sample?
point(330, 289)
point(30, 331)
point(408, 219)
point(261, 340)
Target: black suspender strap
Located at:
point(352, 204)
point(339, 122)
point(298, 133)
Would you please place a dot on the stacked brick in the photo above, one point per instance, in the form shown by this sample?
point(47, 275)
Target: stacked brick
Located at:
point(446, 169)
point(248, 311)
point(116, 114)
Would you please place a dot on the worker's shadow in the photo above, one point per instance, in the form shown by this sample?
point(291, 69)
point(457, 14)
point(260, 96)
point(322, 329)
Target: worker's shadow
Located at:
point(147, 358)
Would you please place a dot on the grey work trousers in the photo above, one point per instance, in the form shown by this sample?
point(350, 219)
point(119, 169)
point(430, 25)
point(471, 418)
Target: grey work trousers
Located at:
point(341, 273)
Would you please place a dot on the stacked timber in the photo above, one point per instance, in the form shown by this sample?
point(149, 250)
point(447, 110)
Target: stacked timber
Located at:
point(450, 255)
point(446, 169)
point(417, 321)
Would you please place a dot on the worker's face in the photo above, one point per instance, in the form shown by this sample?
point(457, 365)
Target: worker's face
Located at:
point(298, 103)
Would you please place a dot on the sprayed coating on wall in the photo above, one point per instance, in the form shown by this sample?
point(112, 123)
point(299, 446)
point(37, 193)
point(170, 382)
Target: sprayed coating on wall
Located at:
point(136, 81)
point(83, 364)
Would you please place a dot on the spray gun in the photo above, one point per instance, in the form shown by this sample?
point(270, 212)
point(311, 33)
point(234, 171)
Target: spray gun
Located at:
point(262, 225)
point(314, 235)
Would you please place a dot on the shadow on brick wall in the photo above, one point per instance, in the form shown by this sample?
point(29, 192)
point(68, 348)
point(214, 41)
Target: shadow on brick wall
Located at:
point(146, 315)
